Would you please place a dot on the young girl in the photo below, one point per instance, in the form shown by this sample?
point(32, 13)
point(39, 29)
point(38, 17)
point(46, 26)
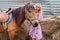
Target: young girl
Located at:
point(36, 32)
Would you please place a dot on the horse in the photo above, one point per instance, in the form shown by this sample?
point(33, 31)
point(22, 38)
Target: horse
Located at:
point(18, 16)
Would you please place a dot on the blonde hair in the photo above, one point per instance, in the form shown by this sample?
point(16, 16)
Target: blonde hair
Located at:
point(38, 5)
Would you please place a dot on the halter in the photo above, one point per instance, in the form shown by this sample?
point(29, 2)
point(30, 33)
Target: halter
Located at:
point(32, 23)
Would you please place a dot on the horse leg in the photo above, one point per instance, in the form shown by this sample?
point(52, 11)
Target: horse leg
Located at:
point(11, 34)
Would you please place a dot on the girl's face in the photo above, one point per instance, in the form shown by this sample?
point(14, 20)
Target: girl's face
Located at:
point(37, 8)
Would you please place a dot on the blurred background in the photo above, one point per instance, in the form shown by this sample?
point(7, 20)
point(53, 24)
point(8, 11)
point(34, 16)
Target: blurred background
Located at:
point(50, 7)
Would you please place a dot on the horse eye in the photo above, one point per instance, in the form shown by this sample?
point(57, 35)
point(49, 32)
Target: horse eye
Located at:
point(29, 11)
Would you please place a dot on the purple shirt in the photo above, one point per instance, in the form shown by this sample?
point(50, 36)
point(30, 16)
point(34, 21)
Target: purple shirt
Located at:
point(36, 32)
point(39, 16)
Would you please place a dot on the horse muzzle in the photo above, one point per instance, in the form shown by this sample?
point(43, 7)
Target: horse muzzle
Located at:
point(35, 24)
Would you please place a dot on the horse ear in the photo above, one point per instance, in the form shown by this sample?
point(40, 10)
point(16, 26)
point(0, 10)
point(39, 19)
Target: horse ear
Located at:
point(26, 3)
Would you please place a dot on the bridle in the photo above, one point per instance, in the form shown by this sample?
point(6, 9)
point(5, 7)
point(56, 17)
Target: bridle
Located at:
point(32, 23)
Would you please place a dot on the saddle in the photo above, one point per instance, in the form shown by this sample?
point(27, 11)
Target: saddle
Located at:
point(4, 24)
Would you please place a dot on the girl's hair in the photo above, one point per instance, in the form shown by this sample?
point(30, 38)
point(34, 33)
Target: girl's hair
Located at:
point(38, 5)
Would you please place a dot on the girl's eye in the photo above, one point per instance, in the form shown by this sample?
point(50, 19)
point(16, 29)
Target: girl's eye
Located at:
point(37, 7)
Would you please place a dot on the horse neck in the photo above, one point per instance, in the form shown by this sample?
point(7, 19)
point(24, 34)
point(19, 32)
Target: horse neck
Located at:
point(19, 16)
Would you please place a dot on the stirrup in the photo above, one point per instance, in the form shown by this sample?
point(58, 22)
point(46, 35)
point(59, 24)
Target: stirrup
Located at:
point(4, 25)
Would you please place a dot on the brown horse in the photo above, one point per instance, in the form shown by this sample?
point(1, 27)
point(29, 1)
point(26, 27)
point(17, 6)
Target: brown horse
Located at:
point(19, 15)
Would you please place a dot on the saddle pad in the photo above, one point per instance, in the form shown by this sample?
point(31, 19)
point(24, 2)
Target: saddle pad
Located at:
point(9, 18)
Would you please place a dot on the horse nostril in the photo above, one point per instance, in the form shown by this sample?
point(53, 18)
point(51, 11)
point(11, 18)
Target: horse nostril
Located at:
point(35, 25)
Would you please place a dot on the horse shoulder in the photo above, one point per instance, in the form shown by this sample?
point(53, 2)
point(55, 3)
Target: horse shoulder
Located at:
point(12, 25)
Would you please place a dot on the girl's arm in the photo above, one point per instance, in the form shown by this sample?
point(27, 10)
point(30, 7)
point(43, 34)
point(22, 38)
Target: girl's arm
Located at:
point(40, 16)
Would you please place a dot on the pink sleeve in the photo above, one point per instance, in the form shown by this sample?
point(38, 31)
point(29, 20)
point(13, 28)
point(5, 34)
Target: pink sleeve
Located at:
point(40, 17)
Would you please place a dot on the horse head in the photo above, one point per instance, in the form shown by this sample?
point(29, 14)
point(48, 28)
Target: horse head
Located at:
point(25, 12)
point(30, 14)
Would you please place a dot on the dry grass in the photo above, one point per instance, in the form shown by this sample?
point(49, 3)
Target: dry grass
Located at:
point(50, 29)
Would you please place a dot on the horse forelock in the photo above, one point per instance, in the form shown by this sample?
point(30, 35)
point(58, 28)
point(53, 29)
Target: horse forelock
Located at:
point(29, 6)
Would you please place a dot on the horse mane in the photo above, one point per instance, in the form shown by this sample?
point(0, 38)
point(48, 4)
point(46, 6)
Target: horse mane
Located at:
point(19, 15)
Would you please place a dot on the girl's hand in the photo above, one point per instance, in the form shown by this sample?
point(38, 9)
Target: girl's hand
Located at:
point(40, 21)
